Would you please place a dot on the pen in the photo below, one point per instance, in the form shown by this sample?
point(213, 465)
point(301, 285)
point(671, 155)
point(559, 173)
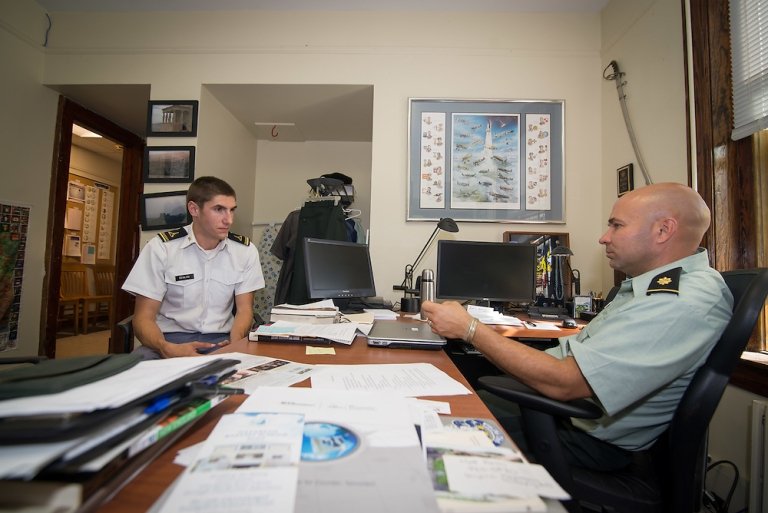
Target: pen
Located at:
point(161, 403)
point(529, 323)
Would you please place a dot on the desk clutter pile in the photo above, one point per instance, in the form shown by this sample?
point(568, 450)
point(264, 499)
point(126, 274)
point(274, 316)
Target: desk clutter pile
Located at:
point(74, 430)
point(348, 440)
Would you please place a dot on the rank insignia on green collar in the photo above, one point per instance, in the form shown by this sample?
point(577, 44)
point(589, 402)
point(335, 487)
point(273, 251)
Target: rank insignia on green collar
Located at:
point(242, 239)
point(667, 282)
point(172, 234)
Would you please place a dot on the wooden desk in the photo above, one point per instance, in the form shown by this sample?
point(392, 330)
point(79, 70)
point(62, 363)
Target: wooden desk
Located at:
point(151, 482)
point(473, 366)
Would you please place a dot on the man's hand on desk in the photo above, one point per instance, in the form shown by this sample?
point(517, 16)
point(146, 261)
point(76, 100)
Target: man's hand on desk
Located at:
point(448, 319)
point(171, 350)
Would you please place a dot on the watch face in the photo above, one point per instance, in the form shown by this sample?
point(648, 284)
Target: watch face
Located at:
point(327, 442)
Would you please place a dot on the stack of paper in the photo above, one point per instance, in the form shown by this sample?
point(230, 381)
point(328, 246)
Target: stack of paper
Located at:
point(320, 312)
point(488, 315)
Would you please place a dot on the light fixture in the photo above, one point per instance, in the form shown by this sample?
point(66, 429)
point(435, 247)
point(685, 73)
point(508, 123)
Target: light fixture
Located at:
point(561, 255)
point(83, 132)
point(411, 304)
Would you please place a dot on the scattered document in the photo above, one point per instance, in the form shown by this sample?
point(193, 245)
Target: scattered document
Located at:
point(320, 312)
point(361, 451)
point(257, 371)
point(488, 315)
point(343, 333)
point(111, 392)
point(248, 463)
point(407, 379)
point(381, 313)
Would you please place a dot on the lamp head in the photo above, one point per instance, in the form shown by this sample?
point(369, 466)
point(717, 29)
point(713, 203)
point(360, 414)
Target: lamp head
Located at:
point(561, 251)
point(448, 225)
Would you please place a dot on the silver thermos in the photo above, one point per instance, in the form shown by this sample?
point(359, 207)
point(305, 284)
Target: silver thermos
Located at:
point(427, 287)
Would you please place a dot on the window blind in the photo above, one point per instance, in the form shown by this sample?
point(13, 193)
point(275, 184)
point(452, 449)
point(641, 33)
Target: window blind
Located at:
point(749, 66)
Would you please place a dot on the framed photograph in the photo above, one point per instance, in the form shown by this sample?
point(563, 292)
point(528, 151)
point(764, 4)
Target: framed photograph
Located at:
point(581, 304)
point(486, 160)
point(172, 118)
point(164, 210)
point(169, 164)
point(625, 180)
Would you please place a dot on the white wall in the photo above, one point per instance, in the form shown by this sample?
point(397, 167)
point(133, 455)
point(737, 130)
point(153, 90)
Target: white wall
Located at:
point(26, 147)
point(467, 55)
point(645, 38)
point(284, 167)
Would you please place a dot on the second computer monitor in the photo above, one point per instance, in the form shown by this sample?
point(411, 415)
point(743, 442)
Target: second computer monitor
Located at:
point(486, 271)
point(338, 270)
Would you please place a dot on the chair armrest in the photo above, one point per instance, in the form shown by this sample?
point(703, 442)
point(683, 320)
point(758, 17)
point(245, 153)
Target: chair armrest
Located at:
point(509, 388)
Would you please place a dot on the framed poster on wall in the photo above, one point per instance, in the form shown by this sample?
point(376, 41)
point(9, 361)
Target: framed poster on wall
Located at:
point(486, 160)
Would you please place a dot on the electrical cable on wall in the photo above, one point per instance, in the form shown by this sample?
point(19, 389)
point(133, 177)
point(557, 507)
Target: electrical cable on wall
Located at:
point(48, 30)
point(620, 83)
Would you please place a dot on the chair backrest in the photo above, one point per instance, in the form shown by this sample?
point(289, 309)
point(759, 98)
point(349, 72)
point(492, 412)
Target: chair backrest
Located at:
point(73, 284)
point(103, 282)
point(686, 437)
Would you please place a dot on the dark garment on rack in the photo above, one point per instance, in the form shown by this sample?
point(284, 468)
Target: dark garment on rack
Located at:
point(317, 219)
point(283, 248)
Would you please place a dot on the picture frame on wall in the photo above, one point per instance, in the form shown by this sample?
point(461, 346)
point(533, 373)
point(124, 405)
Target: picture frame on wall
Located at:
point(164, 210)
point(625, 180)
point(486, 160)
point(169, 164)
point(172, 118)
point(581, 304)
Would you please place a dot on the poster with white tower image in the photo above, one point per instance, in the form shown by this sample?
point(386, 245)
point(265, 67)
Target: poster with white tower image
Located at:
point(537, 162)
point(485, 161)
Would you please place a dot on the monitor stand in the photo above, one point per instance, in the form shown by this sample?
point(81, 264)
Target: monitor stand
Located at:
point(349, 305)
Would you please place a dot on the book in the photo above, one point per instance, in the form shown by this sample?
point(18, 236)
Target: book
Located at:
point(304, 316)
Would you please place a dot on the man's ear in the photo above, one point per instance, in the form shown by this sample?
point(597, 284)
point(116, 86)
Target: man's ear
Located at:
point(667, 228)
point(194, 209)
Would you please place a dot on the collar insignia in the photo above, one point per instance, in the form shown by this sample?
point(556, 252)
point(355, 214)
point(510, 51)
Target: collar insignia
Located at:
point(172, 234)
point(242, 239)
point(667, 282)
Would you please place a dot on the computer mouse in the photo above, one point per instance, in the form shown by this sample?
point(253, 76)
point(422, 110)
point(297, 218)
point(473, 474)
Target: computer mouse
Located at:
point(569, 323)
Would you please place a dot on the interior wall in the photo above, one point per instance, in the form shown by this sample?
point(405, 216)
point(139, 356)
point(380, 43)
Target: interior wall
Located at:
point(645, 38)
point(283, 168)
point(470, 55)
point(26, 146)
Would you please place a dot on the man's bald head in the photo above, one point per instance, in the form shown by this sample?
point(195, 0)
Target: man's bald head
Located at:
point(653, 226)
point(677, 201)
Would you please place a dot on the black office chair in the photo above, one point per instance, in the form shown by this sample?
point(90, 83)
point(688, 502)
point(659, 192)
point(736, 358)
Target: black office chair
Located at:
point(126, 328)
point(669, 477)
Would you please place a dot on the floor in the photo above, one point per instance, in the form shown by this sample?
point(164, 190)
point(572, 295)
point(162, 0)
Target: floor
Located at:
point(96, 342)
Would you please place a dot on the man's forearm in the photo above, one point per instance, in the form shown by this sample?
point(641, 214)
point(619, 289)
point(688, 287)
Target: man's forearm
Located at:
point(149, 334)
point(241, 326)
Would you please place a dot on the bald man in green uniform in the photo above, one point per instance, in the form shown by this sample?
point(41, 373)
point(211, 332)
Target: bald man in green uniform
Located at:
point(636, 358)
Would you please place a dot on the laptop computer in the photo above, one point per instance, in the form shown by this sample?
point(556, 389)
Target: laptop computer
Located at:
point(406, 335)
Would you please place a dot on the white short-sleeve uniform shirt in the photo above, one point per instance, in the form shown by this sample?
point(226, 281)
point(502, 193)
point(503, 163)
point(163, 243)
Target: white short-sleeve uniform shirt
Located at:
point(196, 287)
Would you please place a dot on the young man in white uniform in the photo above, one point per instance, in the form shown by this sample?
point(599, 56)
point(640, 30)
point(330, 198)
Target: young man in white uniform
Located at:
point(194, 286)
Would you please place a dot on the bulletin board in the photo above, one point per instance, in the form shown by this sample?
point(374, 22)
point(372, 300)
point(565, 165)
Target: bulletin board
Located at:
point(90, 222)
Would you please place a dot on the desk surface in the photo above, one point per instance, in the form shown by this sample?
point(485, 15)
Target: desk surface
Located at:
point(150, 483)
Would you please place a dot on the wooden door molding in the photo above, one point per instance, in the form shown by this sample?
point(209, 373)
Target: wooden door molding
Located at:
point(127, 244)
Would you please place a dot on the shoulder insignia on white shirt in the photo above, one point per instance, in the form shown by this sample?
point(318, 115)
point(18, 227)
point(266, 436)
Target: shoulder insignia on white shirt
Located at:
point(667, 282)
point(242, 239)
point(172, 234)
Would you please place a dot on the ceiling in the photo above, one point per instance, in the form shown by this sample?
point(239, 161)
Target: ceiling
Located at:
point(323, 112)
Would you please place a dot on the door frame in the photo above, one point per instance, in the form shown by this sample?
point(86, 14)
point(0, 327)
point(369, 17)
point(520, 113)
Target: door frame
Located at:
point(127, 242)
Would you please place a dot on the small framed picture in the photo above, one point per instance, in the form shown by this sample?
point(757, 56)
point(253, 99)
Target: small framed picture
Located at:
point(169, 164)
point(172, 118)
point(625, 179)
point(581, 304)
point(164, 210)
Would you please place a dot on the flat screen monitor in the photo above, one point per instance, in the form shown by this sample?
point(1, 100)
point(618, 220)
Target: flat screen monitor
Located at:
point(486, 271)
point(338, 270)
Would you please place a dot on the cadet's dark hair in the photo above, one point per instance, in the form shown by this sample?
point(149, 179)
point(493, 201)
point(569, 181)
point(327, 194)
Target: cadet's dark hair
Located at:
point(206, 187)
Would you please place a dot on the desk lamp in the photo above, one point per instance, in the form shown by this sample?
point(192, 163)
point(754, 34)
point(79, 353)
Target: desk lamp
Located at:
point(562, 253)
point(411, 304)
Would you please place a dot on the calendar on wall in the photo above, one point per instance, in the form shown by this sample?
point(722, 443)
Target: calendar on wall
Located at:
point(90, 221)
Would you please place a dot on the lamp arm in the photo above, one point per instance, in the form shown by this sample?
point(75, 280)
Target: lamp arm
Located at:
point(409, 268)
